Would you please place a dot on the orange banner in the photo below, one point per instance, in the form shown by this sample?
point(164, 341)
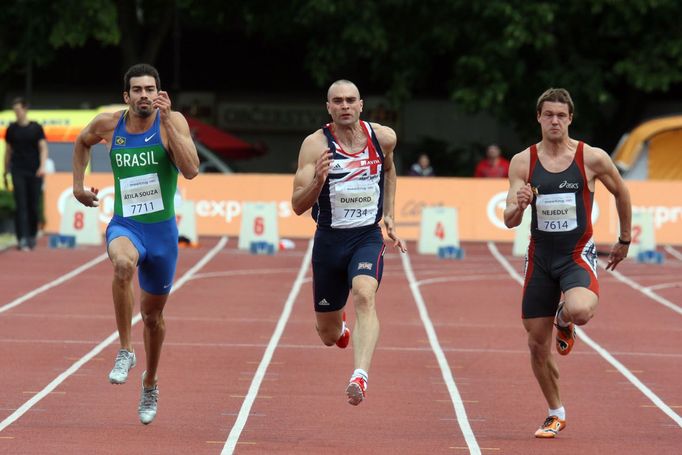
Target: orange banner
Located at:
point(218, 203)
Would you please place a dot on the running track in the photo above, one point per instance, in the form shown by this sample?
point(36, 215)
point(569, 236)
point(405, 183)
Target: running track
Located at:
point(243, 371)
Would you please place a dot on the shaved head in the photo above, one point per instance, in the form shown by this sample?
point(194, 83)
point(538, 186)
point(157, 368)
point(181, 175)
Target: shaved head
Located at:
point(341, 82)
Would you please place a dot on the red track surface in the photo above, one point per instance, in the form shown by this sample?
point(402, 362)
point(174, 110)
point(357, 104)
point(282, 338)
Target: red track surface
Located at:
point(221, 321)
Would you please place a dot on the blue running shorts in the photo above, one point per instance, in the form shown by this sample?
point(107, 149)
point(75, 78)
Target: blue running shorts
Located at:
point(157, 245)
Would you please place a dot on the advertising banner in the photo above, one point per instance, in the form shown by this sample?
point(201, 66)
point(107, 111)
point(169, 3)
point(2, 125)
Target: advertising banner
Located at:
point(480, 203)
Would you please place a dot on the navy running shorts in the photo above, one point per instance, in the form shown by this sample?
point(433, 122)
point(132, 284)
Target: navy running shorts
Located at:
point(339, 255)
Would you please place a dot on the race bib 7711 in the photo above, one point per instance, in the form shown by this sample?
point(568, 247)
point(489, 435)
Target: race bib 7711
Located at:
point(141, 195)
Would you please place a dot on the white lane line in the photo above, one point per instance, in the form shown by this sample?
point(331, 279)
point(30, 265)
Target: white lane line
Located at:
point(240, 422)
point(601, 351)
point(673, 252)
point(455, 397)
point(644, 290)
point(676, 284)
point(53, 283)
point(100, 347)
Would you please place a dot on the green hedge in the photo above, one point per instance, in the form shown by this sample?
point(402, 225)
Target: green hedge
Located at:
point(6, 204)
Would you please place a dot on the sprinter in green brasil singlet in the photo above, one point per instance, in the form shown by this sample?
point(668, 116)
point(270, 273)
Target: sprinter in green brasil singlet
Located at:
point(149, 144)
point(145, 176)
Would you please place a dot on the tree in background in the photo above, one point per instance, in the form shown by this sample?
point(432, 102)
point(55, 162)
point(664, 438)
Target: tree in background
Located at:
point(32, 30)
point(496, 56)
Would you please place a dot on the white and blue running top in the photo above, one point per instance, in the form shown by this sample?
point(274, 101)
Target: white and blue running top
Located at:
point(353, 194)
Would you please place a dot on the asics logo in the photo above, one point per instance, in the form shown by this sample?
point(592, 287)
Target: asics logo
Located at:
point(147, 139)
point(568, 185)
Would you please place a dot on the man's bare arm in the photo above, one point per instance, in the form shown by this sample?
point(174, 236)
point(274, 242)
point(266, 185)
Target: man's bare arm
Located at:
point(180, 144)
point(606, 172)
point(520, 193)
point(8, 156)
point(99, 129)
point(42, 146)
point(388, 139)
point(314, 160)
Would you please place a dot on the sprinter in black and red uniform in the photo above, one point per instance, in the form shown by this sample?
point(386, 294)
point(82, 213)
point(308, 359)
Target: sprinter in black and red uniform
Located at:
point(556, 177)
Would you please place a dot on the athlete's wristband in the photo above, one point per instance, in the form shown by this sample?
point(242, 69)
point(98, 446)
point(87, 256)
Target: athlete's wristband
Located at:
point(623, 242)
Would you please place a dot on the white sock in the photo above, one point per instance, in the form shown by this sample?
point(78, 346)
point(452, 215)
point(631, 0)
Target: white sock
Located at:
point(360, 373)
point(343, 330)
point(560, 319)
point(559, 412)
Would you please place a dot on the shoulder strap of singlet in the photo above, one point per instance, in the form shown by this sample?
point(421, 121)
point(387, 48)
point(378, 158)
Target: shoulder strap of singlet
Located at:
point(579, 154)
point(366, 128)
point(373, 138)
point(157, 121)
point(121, 121)
point(580, 159)
point(327, 131)
point(533, 159)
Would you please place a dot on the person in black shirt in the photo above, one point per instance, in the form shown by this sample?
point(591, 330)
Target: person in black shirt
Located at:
point(25, 157)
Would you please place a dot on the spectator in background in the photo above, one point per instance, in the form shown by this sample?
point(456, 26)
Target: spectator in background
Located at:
point(25, 159)
point(493, 165)
point(422, 168)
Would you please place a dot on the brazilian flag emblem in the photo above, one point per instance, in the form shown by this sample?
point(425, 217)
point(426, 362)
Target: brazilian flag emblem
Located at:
point(120, 140)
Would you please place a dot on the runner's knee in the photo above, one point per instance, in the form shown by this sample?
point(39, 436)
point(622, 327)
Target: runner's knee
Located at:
point(539, 350)
point(363, 299)
point(582, 317)
point(580, 314)
point(124, 268)
point(152, 319)
point(329, 334)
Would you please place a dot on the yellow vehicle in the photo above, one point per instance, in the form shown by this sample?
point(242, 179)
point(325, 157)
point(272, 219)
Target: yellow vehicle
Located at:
point(652, 151)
